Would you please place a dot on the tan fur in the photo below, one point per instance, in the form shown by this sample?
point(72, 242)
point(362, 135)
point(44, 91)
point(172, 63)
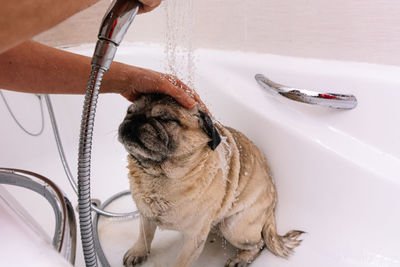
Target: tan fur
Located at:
point(229, 189)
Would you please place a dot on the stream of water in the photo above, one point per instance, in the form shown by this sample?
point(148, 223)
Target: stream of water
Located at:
point(179, 36)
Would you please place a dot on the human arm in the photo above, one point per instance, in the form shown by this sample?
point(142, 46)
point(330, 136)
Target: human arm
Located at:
point(35, 68)
point(21, 20)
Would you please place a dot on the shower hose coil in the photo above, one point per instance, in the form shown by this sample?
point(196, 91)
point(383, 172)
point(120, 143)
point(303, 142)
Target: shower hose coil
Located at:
point(85, 146)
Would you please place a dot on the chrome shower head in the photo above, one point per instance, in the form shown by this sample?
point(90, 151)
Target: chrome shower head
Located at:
point(117, 20)
point(114, 26)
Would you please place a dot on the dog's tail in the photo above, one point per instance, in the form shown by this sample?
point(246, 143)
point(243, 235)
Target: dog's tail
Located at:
point(281, 246)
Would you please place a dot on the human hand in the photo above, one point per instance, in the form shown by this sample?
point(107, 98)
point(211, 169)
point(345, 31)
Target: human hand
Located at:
point(148, 5)
point(142, 81)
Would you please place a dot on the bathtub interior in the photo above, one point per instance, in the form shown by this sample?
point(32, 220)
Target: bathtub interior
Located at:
point(336, 172)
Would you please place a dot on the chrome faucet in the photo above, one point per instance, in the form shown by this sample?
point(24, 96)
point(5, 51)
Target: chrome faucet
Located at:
point(331, 100)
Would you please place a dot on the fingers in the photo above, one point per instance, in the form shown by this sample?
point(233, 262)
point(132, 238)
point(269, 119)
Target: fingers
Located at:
point(174, 87)
point(144, 81)
point(148, 5)
point(202, 105)
point(185, 95)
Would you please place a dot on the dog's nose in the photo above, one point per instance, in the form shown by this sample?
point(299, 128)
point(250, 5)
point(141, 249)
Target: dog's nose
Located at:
point(130, 126)
point(135, 120)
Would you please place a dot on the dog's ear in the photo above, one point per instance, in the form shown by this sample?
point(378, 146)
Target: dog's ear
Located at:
point(208, 127)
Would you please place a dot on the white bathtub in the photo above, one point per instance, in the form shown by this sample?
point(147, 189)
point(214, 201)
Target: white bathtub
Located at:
point(337, 172)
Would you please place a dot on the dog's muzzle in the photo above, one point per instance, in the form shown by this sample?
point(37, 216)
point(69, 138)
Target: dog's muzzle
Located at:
point(147, 133)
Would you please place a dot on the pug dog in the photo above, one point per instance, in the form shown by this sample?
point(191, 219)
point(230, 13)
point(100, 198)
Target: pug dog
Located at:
point(190, 174)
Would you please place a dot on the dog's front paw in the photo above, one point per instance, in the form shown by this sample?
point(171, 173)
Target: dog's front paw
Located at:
point(132, 258)
point(236, 262)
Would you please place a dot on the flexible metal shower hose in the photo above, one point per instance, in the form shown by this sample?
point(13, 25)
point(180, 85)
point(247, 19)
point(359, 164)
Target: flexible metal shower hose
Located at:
point(85, 148)
point(97, 209)
point(19, 123)
point(67, 170)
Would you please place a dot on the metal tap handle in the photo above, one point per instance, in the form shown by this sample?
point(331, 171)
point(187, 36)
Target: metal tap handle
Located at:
point(337, 101)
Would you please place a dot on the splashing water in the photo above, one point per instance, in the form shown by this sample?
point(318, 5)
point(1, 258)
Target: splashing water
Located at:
point(179, 50)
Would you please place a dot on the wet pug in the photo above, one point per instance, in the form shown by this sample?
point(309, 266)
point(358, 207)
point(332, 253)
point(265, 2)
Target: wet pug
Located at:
point(192, 175)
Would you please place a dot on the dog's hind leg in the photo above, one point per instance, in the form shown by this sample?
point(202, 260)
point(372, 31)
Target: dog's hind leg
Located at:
point(243, 230)
point(141, 249)
point(245, 257)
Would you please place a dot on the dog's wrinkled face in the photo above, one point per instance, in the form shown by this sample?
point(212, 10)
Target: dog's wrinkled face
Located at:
point(157, 128)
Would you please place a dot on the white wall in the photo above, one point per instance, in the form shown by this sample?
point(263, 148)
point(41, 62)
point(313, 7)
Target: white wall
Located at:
point(355, 30)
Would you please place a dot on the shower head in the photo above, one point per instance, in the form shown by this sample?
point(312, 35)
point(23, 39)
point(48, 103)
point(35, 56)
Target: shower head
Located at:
point(117, 20)
point(115, 24)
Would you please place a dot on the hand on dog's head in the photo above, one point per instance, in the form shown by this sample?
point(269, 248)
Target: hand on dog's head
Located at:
point(156, 128)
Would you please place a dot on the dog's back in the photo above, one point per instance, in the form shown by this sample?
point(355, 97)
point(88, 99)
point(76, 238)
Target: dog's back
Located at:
point(252, 220)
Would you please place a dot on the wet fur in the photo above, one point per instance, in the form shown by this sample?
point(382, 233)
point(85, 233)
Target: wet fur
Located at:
point(195, 189)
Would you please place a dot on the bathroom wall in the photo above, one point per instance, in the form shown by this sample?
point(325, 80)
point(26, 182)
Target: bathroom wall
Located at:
point(356, 30)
